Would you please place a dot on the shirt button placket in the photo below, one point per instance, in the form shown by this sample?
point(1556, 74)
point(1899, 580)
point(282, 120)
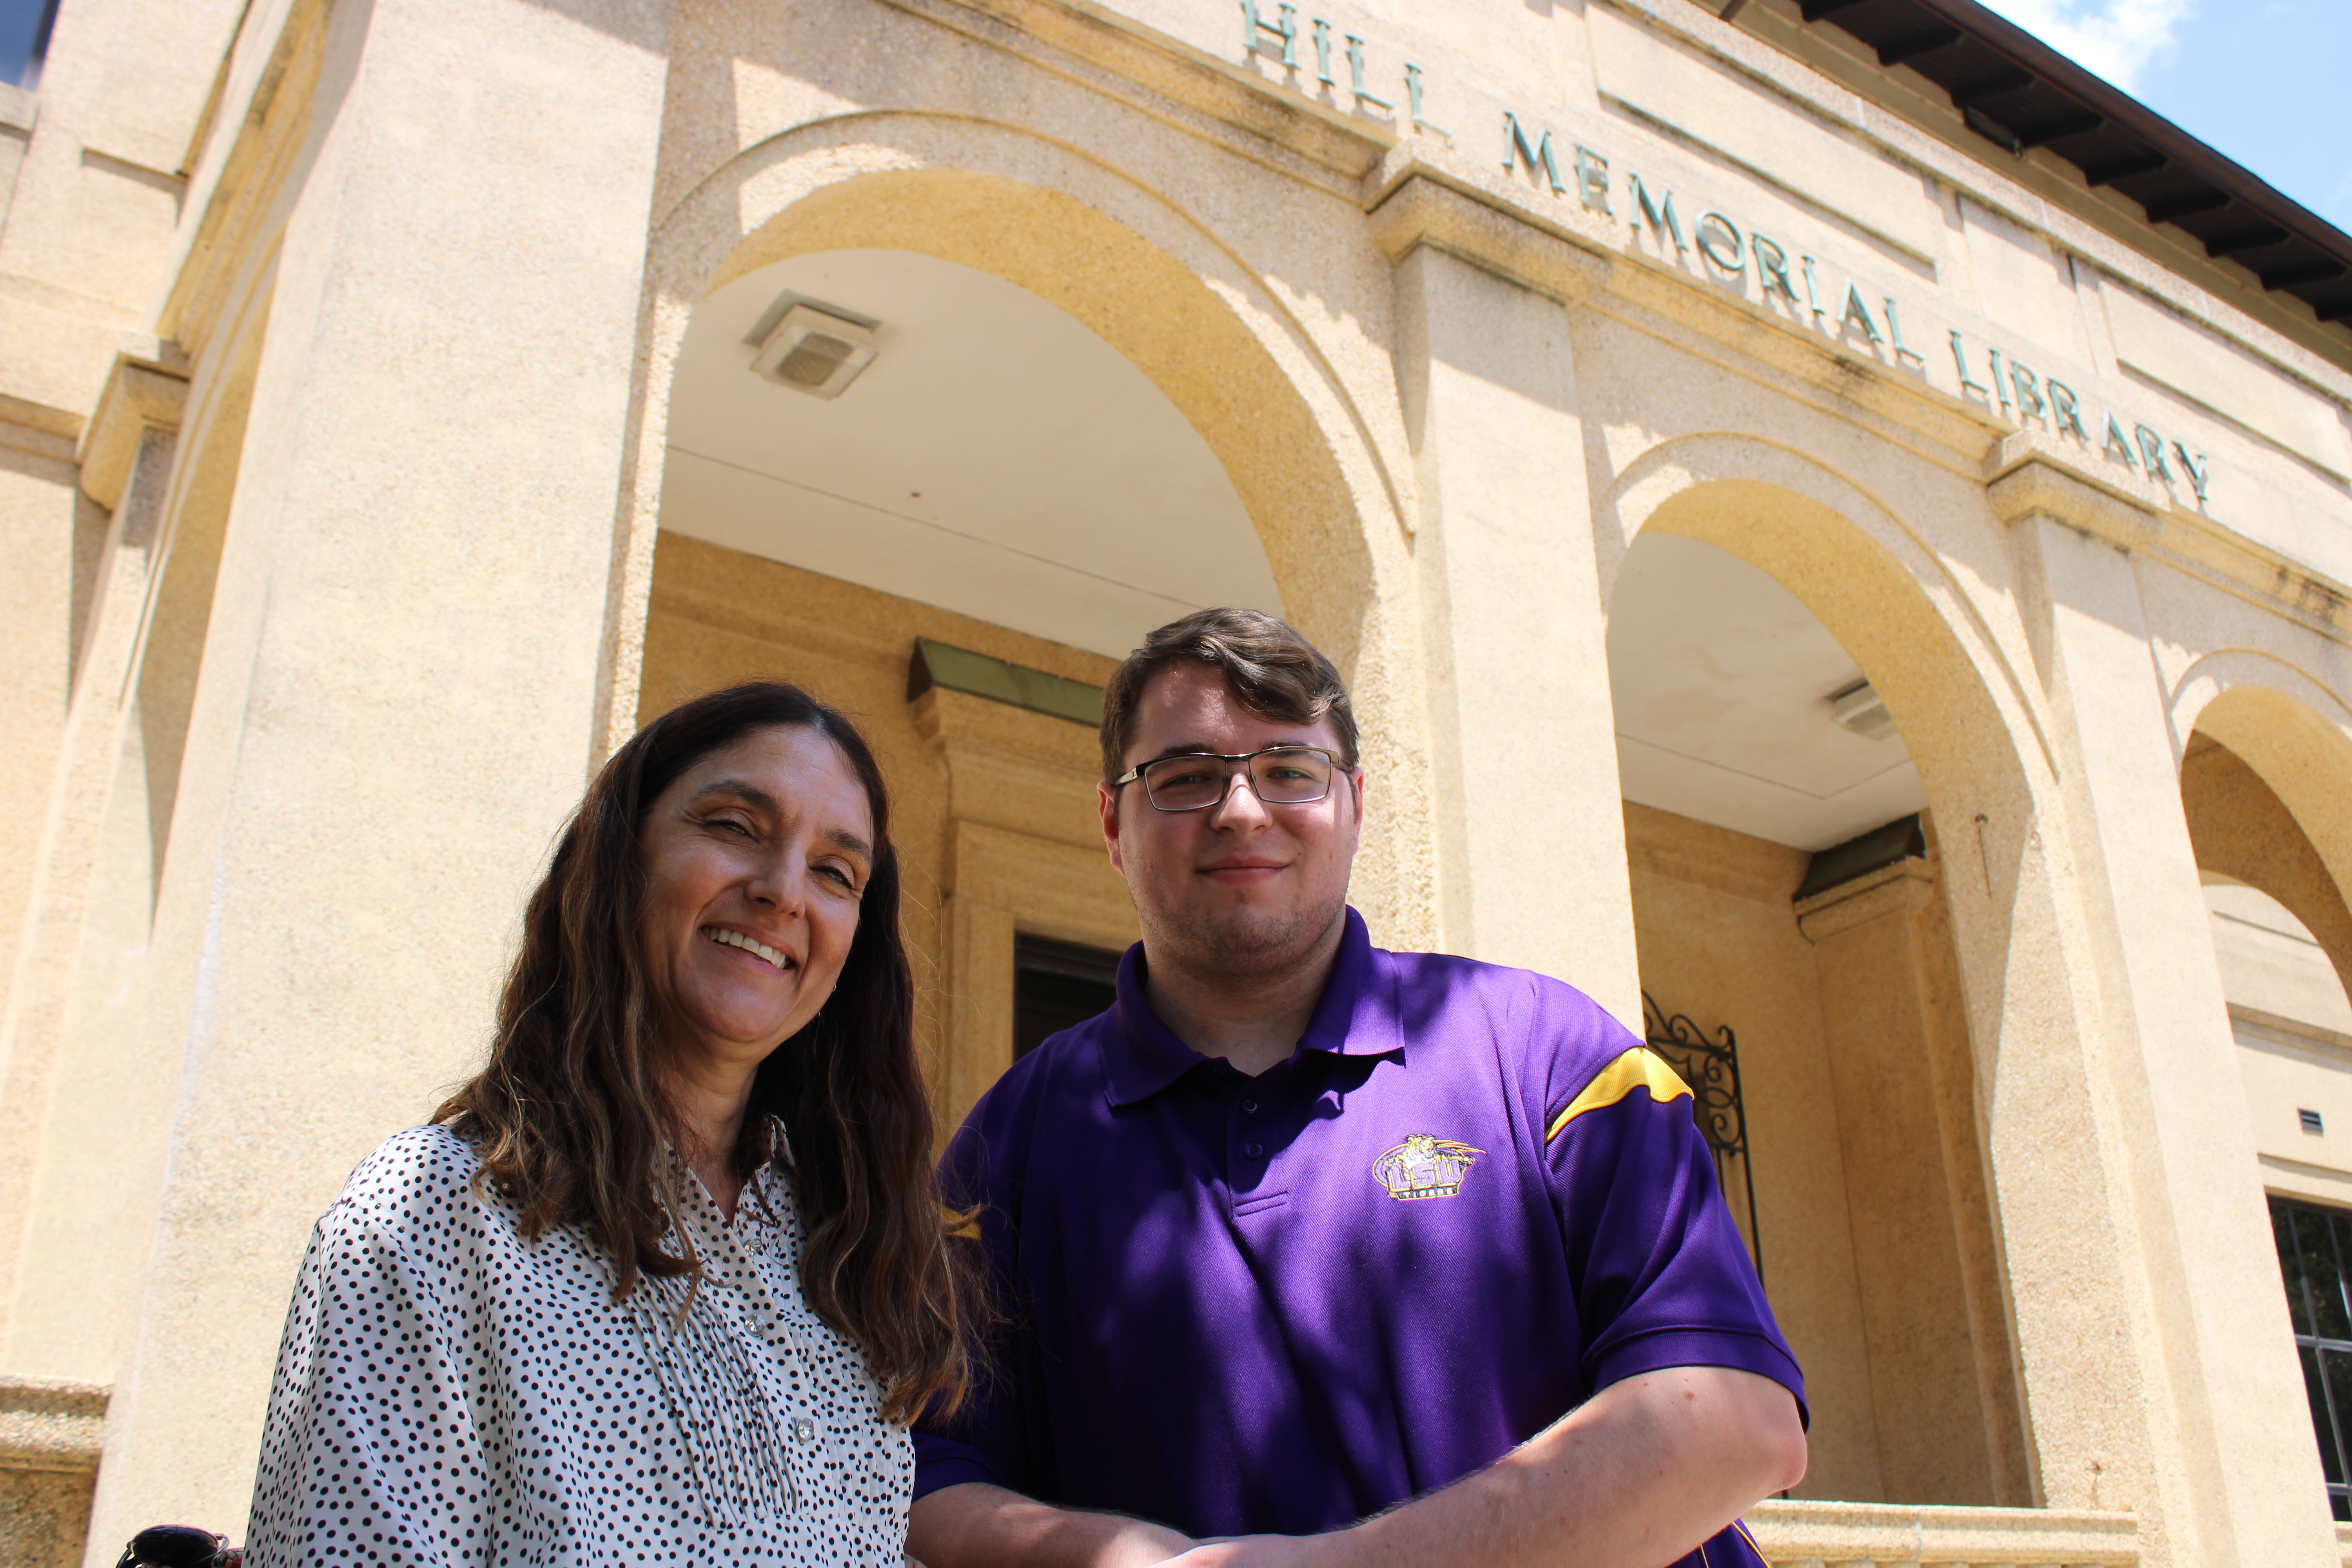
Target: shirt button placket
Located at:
point(1251, 1148)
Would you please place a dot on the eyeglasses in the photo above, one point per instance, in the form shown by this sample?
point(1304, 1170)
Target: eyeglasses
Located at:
point(1278, 776)
point(178, 1546)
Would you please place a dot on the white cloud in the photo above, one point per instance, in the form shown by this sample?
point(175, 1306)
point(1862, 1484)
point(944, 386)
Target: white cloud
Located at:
point(2118, 39)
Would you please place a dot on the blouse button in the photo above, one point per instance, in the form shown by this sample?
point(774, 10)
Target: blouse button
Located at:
point(803, 1430)
point(1252, 1150)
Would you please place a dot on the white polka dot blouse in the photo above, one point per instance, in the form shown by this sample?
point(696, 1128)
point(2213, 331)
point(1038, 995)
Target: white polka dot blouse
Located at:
point(447, 1393)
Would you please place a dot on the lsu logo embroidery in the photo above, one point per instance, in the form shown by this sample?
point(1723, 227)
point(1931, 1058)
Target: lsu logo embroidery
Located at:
point(1424, 1167)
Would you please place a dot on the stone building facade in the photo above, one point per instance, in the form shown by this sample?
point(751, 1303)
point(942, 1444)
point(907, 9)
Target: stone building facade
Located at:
point(1852, 590)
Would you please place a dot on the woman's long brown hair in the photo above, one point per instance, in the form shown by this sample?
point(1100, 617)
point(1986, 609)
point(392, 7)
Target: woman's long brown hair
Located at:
point(571, 1118)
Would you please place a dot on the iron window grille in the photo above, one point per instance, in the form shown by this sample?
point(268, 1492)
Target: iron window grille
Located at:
point(1711, 1068)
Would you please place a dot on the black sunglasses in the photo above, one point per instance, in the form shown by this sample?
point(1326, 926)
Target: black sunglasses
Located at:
point(179, 1546)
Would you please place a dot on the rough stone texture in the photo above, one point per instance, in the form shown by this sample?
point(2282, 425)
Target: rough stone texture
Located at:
point(2159, 981)
point(43, 1517)
point(50, 1436)
point(1797, 1534)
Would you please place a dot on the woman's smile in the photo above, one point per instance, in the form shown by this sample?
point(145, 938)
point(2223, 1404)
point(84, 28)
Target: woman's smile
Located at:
point(744, 942)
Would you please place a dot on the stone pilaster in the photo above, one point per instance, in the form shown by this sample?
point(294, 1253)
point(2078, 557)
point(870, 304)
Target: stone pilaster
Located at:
point(1531, 851)
point(378, 750)
point(1932, 1314)
point(2235, 1472)
point(126, 457)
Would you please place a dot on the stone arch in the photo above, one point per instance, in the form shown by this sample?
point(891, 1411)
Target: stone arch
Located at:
point(1969, 719)
point(1155, 283)
point(2269, 802)
point(1974, 729)
point(1973, 719)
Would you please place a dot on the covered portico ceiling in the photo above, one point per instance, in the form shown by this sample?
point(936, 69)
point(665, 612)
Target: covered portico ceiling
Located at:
point(1721, 682)
point(997, 458)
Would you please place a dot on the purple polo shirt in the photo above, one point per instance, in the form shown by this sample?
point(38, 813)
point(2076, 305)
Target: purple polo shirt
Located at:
point(1466, 1202)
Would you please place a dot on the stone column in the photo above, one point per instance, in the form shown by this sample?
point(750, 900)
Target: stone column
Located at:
point(126, 463)
point(378, 750)
point(1531, 844)
point(75, 623)
point(2238, 1473)
point(46, 528)
point(1942, 1382)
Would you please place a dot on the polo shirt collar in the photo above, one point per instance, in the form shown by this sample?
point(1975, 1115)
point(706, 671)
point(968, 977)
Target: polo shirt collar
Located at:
point(1356, 1016)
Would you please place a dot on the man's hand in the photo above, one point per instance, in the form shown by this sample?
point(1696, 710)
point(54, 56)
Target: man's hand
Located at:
point(1265, 1552)
point(978, 1526)
point(1636, 1477)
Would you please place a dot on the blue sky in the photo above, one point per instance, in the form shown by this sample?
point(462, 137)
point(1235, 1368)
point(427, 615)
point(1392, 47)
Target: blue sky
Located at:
point(19, 20)
point(2263, 81)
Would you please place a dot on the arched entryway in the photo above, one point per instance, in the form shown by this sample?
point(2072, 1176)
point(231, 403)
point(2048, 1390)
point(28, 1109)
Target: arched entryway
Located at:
point(2283, 944)
point(1792, 878)
point(2263, 781)
point(1079, 420)
point(955, 545)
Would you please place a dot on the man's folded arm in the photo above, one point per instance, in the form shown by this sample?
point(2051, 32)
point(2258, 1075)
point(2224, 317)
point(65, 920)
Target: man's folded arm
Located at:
point(1636, 1477)
point(973, 1524)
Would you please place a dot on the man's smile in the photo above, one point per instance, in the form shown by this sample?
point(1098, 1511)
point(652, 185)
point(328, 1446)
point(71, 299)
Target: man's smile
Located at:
point(1243, 869)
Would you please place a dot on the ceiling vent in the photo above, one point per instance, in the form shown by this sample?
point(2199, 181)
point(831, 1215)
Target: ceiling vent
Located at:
point(813, 352)
point(1858, 709)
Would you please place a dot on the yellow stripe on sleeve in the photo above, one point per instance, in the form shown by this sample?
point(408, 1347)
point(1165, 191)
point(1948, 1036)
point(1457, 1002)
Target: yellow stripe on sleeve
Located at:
point(1639, 1068)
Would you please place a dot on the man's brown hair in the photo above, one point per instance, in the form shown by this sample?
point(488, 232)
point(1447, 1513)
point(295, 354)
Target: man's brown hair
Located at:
point(1271, 670)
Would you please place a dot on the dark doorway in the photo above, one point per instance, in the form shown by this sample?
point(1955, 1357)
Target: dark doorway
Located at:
point(1056, 984)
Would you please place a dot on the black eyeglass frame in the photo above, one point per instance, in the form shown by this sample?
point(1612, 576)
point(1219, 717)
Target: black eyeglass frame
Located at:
point(1135, 774)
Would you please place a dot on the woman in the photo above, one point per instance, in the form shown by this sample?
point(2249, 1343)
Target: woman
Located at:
point(666, 1280)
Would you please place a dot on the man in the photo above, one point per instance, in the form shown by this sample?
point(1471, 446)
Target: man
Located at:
point(1301, 1230)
